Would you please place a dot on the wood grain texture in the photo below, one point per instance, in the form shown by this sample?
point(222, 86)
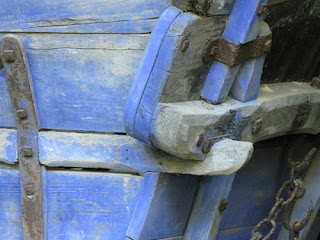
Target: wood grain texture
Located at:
point(284, 108)
point(90, 205)
point(8, 146)
point(242, 27)
point(72, 16)
point(163, 207)
point(125, 154)
point(204, 7)
point(80, 81)
point(10, 203)
point(204, 220)
point(168, 73)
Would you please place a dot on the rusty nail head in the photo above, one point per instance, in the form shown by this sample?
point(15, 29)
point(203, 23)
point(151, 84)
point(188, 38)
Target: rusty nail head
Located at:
point(27, 151)
point(207, 145)
point(184, 45)
point(29, 188)
point(256, 125)
point(22, 113)
point(9, 55)
point(267, 45)
point(315, 83)
point(262, 9)
point(200, 140)
point(223, 205)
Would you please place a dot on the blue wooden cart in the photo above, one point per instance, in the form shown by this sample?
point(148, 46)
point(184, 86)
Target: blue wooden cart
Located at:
point(147, 119)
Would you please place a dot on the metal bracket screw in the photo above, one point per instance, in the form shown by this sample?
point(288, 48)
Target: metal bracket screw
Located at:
point(223, 205)
point(9, 55)
point(184, 45)
point(315, 83)
point(200, 140)
point(27, 151)
point(262, 9)
point(22, 113)
point(256, 125)
point(29, 188)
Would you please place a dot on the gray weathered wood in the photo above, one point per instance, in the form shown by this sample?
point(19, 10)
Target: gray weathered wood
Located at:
point(284, 109)
point(125, 154)
point(205, 7)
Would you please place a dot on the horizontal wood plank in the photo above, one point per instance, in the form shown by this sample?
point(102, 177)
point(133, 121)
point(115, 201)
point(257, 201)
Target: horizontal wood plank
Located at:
point(80, 81)
point(8, 146)
point(10, 203)
point(125, 154)
point(81, 16)
point(89, 205)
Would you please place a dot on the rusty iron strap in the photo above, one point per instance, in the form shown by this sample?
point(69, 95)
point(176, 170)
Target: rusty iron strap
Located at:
point(20, 87)
point(231, 54)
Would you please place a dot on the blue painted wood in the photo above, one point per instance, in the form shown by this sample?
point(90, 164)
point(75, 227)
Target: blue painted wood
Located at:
point(133, 108)
point(90, 205)
point(163, 207)
point(99, 16)
point(205, 217)
point(247, 83)
point(10, 203)
point(254, 187)
point(8, 146)
point(84, 94)
point(242, 26)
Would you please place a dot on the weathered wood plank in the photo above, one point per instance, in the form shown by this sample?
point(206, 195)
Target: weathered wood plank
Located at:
point(204, 221)
point(90, 205)
point(125, 154)
point(99, 16)
point(204, 7)
point(10, 203)
point(80, 81)
point(163, 207)
point(284, 108)
point(8, 146)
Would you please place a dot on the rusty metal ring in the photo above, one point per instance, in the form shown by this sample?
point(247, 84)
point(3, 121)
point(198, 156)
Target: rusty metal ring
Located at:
point(292, 196)
point(305, 163)
point(267, 221)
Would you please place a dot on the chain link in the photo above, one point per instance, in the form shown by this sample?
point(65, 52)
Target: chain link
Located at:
point(296, 189)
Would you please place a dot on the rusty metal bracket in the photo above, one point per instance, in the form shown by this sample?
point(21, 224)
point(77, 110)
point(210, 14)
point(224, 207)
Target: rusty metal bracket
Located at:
point(232, 54)
point(16, 68)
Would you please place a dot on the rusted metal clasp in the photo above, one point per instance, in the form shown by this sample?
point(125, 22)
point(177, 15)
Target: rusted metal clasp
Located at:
point(14, 62)
point(232, 54)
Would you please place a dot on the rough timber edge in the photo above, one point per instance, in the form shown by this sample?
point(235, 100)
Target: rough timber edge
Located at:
point(125, 154)
point(285, 108)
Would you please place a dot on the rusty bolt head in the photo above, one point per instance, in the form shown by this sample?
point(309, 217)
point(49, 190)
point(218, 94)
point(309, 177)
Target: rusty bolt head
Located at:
point(184, 45)
point(9, 55)
point(29, 188)
point(267, 45)
point(315, 83)
point(223, 205)
point(200, 140)
point(27, 151)
point(262, 9)
point(22, 113)
point(207, 145)
point(256, 125)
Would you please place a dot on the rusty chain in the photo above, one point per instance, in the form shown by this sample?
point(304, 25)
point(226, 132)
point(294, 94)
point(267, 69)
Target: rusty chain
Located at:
point(295, 189)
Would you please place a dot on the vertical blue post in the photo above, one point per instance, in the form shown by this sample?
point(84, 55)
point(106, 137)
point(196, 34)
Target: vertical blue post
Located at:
point(242, 27)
